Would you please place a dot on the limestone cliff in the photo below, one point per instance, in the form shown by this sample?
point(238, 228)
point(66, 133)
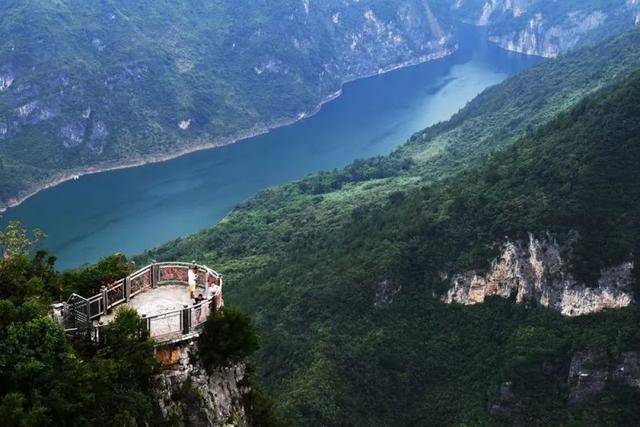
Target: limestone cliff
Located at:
point(485, 13)
point(537, 271)
point(545, 27)
point(188, 395)
point(539, 37)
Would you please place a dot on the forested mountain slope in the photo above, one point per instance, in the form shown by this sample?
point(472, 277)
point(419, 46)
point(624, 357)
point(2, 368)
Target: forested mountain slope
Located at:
point(346, 272)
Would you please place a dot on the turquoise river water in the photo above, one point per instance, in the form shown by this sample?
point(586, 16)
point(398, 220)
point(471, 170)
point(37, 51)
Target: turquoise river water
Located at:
point(134, 209)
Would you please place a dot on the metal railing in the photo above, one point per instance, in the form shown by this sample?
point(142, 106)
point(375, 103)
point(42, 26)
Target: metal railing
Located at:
point(81, 313)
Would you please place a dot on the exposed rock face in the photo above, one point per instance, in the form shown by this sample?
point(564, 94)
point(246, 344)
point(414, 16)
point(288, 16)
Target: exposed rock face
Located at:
point(538, 272)
point(590, 372)
point(546, 27)
point(72, 134)
point(378, 44)
point(385, 291)
point(6, 78)
point(540, 38)
point(187, 395)
point(494, 8)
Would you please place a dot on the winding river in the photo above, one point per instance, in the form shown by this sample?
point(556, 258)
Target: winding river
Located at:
point(134, 209)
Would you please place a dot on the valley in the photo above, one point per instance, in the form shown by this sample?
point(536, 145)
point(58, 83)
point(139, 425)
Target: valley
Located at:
point(422, 212)
point(475, 266)
point(135, 209)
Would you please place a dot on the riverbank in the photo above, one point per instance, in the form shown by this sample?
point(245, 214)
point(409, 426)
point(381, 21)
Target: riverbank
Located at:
point(196, 145)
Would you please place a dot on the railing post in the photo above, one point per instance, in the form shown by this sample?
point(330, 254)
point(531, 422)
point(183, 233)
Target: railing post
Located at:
point(186, 319)
point(127, 289)
point(97, 332)
point(105, 299)
point(146, 326)
point(154, 275)
point(220, 300)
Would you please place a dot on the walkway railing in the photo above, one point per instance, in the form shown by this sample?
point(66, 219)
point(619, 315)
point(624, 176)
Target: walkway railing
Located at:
point(81, 313)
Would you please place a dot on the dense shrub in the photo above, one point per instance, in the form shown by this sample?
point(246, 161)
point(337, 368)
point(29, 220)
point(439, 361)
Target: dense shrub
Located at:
point(88, 281)
point(48, 378)
point(229, 336)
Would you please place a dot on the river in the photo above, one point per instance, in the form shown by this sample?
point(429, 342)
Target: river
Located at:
point(131, 210)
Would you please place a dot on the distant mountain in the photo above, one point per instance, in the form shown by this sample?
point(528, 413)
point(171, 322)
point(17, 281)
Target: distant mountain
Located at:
point(367, 282)
point(86, 86)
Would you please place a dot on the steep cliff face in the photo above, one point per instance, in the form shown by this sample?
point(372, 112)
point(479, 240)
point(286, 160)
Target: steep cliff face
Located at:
point(539, 37)
point(383, 40)
point(188, 395)
point(538, 271)
point(585, 376)
point(544, 27)
point(486, 12)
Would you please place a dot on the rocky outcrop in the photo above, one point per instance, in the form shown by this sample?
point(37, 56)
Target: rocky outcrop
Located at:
point(545, 27)
point(586, 376)
point(7, 78)
point(377, 44)
point(385, 292)
point(591, 371)
point(540, 38)
point(537, 271)
point(188, 395)
point(494, 8)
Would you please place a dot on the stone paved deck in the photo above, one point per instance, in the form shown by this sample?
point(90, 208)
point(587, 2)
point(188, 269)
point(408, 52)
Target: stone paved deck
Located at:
point(156, 301)
point(164, 299)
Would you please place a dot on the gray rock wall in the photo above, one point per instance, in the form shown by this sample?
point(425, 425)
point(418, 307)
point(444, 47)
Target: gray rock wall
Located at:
point(547, 27)
point(188, 395)
point(537, 271)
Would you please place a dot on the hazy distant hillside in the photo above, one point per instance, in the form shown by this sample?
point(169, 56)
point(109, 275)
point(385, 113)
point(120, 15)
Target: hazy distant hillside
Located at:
point(86, 84)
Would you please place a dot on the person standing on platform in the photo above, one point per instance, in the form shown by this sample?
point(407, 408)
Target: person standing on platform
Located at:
point(192, 280)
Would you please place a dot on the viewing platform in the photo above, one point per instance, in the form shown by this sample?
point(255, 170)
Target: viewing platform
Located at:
point(159, 292)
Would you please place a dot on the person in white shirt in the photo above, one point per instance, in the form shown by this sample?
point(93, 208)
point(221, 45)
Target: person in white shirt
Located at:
point(192, 278)
point(211, 288)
